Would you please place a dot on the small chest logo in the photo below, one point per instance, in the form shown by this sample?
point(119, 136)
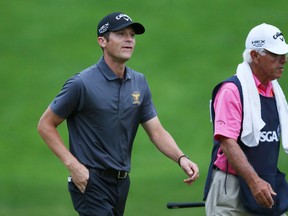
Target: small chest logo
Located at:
point(136, 96)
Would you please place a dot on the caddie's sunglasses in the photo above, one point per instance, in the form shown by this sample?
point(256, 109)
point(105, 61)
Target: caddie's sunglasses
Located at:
point(276, 56)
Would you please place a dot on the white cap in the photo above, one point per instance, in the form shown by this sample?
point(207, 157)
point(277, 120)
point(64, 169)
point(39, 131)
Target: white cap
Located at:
point(268, 37)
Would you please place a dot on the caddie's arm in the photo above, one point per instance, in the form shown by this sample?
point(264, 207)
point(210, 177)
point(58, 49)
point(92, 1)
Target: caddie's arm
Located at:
point(261, 190)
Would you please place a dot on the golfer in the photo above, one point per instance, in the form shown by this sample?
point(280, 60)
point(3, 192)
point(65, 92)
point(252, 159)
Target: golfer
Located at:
point(103, 106)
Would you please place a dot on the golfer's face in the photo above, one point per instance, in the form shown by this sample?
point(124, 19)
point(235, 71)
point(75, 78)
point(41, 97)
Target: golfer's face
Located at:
point(121, 44)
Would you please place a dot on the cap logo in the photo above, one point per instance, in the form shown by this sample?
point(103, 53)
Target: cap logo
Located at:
point(124, 16)
point(278, 34)
point(258, 43)
point(104, 28)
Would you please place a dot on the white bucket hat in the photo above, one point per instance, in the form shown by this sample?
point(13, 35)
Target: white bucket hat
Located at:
point(268, 37)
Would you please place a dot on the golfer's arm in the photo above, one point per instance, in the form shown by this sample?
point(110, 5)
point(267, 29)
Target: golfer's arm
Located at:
point(162, 139)
point(238, 160)
point(47, 128)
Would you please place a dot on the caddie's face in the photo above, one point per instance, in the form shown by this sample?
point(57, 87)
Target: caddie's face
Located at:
point(270, 66)
point(120, 45)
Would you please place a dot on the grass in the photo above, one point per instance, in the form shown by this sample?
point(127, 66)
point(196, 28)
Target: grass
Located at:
point(188, 47)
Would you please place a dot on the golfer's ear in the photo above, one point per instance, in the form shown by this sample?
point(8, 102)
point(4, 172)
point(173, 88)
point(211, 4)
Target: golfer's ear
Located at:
point(101, 41)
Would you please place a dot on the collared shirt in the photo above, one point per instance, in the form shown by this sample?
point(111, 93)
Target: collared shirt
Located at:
point(103, 113)
point(228, 116)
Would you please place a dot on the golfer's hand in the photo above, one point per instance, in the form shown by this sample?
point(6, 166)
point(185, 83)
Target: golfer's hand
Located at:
point(191, 169)
point(80, 176)
point(263, 193)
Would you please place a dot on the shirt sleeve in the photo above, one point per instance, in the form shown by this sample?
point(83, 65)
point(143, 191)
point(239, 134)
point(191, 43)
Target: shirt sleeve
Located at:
point(68, 100)
point(228, 112)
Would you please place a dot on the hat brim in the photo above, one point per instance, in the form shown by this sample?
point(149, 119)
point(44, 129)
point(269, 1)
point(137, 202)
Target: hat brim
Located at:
point(138, 28)
point(279, 50)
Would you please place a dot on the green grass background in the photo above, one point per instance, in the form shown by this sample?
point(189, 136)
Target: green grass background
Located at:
point(189, 46)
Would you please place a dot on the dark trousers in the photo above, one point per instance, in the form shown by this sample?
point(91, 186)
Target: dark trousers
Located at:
point(104, 195)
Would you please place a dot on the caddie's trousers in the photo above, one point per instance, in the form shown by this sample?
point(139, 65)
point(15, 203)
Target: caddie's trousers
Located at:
point(223, 197)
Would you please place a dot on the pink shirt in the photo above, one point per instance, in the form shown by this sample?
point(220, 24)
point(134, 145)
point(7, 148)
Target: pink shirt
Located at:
point(228, 116)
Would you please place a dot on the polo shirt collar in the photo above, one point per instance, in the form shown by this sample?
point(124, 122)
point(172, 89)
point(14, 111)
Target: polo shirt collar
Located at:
point(265, 89)
point(108, 73)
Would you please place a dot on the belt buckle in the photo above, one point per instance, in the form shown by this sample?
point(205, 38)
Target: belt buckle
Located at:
point(121, 176)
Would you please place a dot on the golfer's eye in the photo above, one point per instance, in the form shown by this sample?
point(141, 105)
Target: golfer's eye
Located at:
point(120, 33)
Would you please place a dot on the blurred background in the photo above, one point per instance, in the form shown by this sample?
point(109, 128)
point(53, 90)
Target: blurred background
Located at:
point(188, 47)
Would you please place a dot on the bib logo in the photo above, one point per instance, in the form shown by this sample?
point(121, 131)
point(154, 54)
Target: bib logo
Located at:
point(136, 96)
point(269, 136)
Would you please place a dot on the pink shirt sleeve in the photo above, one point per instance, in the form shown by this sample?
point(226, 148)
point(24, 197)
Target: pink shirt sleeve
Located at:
point(228, 112)
point(228, 116)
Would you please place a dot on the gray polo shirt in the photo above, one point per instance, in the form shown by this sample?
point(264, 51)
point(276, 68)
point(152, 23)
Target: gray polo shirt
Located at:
point(103, 113)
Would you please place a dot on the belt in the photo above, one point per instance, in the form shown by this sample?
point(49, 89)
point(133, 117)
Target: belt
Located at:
point(115, 173)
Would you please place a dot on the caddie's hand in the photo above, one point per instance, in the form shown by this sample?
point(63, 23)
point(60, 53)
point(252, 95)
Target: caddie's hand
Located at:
point(80, 176)
point(191, 169)
point(263, 193)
